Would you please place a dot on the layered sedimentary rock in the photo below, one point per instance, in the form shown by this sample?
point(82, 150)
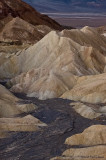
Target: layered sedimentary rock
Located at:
point(90, 144)
point(94, 135)
point(89, 89)
point(10, 110)
point(18, 31)
point(89, 110)
point(27, 123)
point(11, 105)
point(91, 94)
point(68, 64)
point(55, 64)
point(21, 24)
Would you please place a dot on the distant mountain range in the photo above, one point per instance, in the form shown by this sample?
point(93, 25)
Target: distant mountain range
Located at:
point(64, 6)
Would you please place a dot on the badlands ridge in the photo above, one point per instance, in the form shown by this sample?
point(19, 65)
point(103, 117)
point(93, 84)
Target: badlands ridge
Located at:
point(52, 87)
point(68, 64)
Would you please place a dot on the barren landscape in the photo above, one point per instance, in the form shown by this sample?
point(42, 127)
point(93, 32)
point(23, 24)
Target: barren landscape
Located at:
point(52, 87)
point(80, 22)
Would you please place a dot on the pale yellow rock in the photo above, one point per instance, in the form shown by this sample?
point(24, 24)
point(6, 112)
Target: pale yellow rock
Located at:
point(27, 123)
point(86, 36)
point(10, 106)
point(86, 110)
point(92, 153)
point(94, 135)
point(92, 144)
point(53, 85)
point(27, 107)
point(89, 89)
point(89, 153)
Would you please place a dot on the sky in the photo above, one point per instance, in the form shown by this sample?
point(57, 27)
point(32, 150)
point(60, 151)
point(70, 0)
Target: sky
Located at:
point(69, 6)
point(76, 13)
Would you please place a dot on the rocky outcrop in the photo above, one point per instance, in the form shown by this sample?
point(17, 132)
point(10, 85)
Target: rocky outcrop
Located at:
point(21, 24)
point(18, 31)
point(63, 122)
point(89, 92)
point(11, 106)
point(70, 64)
point(90, 89)
point(26, 124)
point(18, 8)
point(89, 144)
point(94, 135)
point(101, 29)
point(88, 110)
point(91, 153)
point(10, 110)
point(53, 66)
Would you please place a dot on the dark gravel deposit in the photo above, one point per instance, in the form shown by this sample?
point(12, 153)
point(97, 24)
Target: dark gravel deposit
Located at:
point(62, 122)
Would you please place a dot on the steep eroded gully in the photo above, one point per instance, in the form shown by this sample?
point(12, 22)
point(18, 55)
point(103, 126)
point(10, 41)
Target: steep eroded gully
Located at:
point(62, 122)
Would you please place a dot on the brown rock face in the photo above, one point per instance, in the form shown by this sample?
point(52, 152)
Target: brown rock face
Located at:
point(18, 31)
point(18, 8)
point(102, 29)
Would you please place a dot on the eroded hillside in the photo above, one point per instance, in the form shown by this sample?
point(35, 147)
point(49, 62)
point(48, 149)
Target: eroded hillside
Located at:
point(53, 88)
